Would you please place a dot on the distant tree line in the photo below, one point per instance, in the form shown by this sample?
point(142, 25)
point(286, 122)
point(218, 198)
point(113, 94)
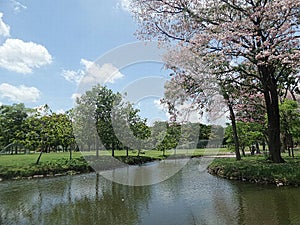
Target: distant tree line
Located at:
point(40, 129)
point(103, 120)
point(100, 120)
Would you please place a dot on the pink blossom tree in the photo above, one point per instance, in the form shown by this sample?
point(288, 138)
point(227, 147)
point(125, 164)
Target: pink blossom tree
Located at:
point(193, 83)
point(257, 39)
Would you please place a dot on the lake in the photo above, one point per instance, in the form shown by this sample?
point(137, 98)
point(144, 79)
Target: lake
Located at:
point(190, 196)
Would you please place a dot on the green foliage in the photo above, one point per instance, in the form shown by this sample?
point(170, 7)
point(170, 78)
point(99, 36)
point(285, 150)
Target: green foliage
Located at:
point(173, 135)
point(101, 116)
point(289, 123)
point(12, 120)
point(32, 130)
point(258, 170)
point(168, 136)
point(248, 134)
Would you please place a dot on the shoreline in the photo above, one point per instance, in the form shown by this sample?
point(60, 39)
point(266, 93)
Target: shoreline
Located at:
point(255, 170)
point(79, 166)
point(258, 170)
point(67, 167)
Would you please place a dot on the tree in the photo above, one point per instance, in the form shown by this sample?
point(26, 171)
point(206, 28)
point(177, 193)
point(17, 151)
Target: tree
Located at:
point(33, 128)
point(249, 133)
point(94, 112)
point(84, 122)
point(290, 124)
point(256, 39)
point(131, 130)
point(12, 125)
point(49, 131)
point(103, 114)
point(62, 132)
point(192, 83)
point(232, 117)
point(168, 136)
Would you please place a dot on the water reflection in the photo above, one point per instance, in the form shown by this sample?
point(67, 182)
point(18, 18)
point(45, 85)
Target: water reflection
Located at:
point(190, 197)
point(268, 205)
point(150, 174)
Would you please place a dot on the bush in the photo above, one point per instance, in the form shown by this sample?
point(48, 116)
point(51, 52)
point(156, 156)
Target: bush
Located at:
point(258, 170)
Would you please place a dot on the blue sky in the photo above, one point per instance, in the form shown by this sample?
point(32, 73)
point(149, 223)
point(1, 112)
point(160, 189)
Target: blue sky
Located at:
point(46, 47)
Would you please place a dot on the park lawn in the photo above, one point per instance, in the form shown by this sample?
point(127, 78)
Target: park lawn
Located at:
point(24, 165)
point(20, 166)
point(256, 169)
point(159, 154)
point(28, 159)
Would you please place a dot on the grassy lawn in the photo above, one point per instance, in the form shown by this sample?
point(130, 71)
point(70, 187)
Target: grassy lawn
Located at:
point(25, 160)
point(257, 169)
point(16, 166)
point(28, 159)
point(159, 154)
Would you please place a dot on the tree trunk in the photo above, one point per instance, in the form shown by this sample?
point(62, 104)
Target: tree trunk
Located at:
point(113, 150)
point(264, 147)
point(243, 151)
point(235, 134)
point(40, 155)
point(272, 106)
point(257, 148)
point(70, 153)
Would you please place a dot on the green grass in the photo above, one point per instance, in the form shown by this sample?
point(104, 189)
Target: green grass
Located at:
point(24, 160)
point(257, 169)
point(18, 166)
point(159, 154)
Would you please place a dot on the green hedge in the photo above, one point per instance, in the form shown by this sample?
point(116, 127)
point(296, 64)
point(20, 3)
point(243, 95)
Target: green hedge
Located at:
point(258, 170)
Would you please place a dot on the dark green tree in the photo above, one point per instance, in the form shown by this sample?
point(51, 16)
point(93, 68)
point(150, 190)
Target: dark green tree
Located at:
point(12, 125)
point(290, 124)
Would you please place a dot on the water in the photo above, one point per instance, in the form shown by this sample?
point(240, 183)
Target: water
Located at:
point(189, 197)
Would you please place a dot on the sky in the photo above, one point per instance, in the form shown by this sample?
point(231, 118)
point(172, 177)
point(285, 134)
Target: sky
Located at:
point(52, 51)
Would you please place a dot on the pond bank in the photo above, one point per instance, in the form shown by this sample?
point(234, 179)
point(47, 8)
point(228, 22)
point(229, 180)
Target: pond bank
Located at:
point(61, 167)
point(258, 170)
point(250, 169)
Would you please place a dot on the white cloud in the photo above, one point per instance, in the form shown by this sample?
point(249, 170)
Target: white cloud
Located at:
point(21, 57)
point(92, 73)
point(86, 63)
point(19, 94)
point(76, 76)
point(96, 74)
point(73, 76)
point(17, 6)
point(4, 28)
